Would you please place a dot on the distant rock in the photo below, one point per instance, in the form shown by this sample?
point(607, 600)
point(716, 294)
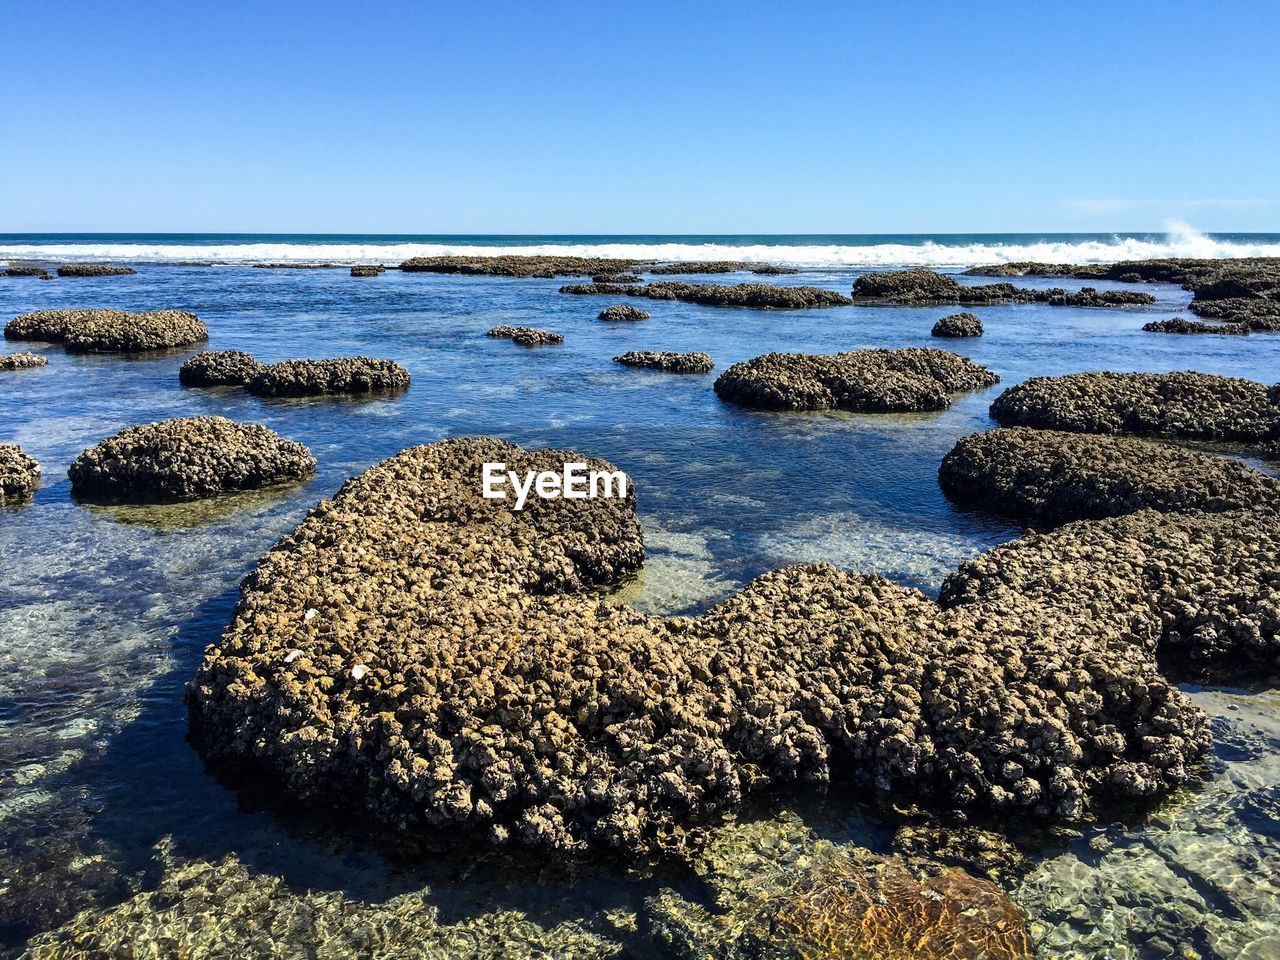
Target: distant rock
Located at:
point(615, 278)
point(670, 362)
point(719, 266)
point(526, 336)
point(623, 312)
point(21, 361)
point(958, 325)
point(367, 270)
point(218, 368)
point(1182, 325)
point(336, 375)
point(759, 295)
point(517, 266)
point(19, 474)
point(22, 271)
point(921, 286)
point(109, 331)
point(93, 270)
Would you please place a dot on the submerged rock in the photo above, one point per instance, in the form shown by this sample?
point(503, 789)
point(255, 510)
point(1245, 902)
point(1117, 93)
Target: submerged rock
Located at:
point(526, 336)
point(1261, 315)
point(19, 474)
point(518, 266)
point(623, 312)
point(109, 331)
point(23, 271)
point(189, 458)
point(615, 278)
point(1184, 326)
point(215, 368)
point(670, 362)
point(94, 270)
point(926, 286)
point(367, 270)
point(758, 295)
point(958, 325)
point(1048, 476)
point(21, 361)
point(863, 381)
point(336, 375)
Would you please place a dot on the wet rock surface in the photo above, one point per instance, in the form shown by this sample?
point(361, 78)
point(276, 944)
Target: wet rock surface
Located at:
point(22, 361)
point(615, 278)
point(19, 474)
point(862, 381)
point(189, 458)
point(109, 331)
point(526, 336)
point(367, 270)
point(719, 266)
point(1181, 405)
point(623, 312)
point(94, 270)
point(670, 362)
point(958, 325)
point(22, 271)
point(926, 287)
point(335, 375)
point(518, 266)
point(758, 295)
point(1182, 325)
point(215, 368)
point(1053, 477)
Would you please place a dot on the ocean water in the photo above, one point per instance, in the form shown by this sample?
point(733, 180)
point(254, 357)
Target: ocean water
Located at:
point(104, 612)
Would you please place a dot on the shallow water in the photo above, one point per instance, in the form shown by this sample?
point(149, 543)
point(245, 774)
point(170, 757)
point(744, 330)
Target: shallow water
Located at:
point(104, 612)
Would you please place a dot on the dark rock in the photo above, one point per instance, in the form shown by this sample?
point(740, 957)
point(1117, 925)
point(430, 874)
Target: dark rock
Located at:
point(1053, 477)
point(1184, 326)
point(109, 331)
point(21, 361)
point(517, 266)
point(623, 312)
point(925, 286)
point(615, 278)
point(367, 270)
point(187, 459)
point(670, 362)
point(526, 336)
point(296, 266)
point(21, 271)
point(864, 381)
point(1259, 315)
point(336, 375)
point(719, 266)
point(759, 295)
point(19, 474)
point(93, 270)
point(218, 368)
point(958, 325)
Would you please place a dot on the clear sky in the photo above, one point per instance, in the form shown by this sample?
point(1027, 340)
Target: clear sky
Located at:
point(690, 117)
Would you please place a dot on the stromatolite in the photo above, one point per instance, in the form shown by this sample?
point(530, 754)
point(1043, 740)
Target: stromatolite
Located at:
point(670, 362)
point(763, 296)
point(926, 286)
point(19, 474)
point(335, 375)
point(22, 361)
point(215, 368)
point(623, 312)
point(526, 336)
point(1185, 326)
point(94, 270)
point(958, 325)
point(109, 331)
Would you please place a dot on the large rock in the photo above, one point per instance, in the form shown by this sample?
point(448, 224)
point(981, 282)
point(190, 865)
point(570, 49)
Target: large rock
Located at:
point(445, 662)
point(94, 270)
point(1048, 476)
point(623, 312)
point(187, 459)
point(1182, 325)
point(109, 331)
point(22, 361)
point(919, 286)
point(958, 325)
point(526, 336)
point(864, 381)
point(19, 474)
point(670, 362)
point(24, 271)
point(518, 266)
point(336, 375)
point(367, 270)
point(217, 368)
point(759, 295)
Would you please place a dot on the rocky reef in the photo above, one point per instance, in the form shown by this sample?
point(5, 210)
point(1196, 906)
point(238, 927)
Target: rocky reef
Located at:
point(719, 266)
point(1182, 405)
point(919, 286)
point(758, 295)
point(94, 270)
point(670, 362)
point(615, 278)
point(1053, 477)
point(958, 325)
point(623, 312)
point(1184, 326)
point(189, 458)
point(21, 361)
point(217, 368)
point(526, 336)
point(24, 271)
point(518, 266)
point(367, 270)
point(109, 331)
point(444, 662)
point(335, 375)
point(19, 474)
point(862, 381)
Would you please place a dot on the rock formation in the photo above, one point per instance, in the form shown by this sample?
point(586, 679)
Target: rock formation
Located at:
point(758, 295)
point(670, 362)
point(216, 368)
point(109, 331)
point(21, 361)
point(958, 325)
point(19, 474)
point(336, 375)
point(623, 312)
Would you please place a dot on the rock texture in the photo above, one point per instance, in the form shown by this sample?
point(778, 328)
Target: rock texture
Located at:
point(190, 458)
point(863, 381)
point(517, 266)
point(93, 270)
point(958, 325)
point(615, 278)
point(109, 331)
point(670, 362)
point(759, 295)
point(623, 312)
point(719, 266)
point(22, 271)
point(926, 286)
point(21, 361)
point(216, 368)
point(1184, 326)
point(19, 474)
point(367, 270)
point(336, 375)
point(526, 336)
point(1052, 477)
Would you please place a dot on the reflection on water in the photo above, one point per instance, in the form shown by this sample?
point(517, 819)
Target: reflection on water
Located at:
point(104, 612)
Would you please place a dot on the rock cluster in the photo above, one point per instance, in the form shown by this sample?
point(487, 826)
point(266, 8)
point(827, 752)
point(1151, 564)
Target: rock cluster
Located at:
point(93, 270)
point(335, 375)
point(1052, 477)
point(109, 331)
point(517, 266)
point(670, 362)
point(367, 269)
point(21, 271)
point(720, 266)
point(863, 381)
point(443, 661)
point(926, 286)
point(21, 361)
point(1183, 405)
point(526, 336)
point(623, 312)
point(19, 474)
point(190, 458)
point(958, 325)
point(216, 368)
point(615, 278)
point(1185, 326)
point(758, 295)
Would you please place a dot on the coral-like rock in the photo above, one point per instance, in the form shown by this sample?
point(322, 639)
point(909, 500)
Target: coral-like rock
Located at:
point(187, 459)
point(526, 336)
point(215, 368)
point(670, 362)
point(763, 296)
point(615, 278)
point(19, 474)
point(21, 361)
point(517, 266)
point(958, 325)
point(367, 270)
point(926, 286)
point(1184, 326)
point(109, 331)
point(93, 270)
point(24, 271)
point(336, 375)
point(623, 312)
point(719, 266)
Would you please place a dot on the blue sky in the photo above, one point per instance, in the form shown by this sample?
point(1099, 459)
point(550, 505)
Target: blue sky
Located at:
point(658, 117)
